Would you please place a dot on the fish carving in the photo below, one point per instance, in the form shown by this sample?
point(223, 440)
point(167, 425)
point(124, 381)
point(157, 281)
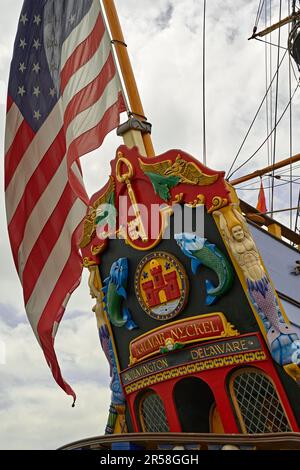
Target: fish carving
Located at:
point(114, 290)
point(201, 251)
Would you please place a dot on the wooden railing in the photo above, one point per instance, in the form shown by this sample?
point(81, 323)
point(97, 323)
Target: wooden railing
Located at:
point(192, 441)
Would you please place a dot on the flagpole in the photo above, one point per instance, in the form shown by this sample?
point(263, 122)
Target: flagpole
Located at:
point(126, 70)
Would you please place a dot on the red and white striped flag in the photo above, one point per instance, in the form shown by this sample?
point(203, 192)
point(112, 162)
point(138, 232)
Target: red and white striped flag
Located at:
point(64, 96)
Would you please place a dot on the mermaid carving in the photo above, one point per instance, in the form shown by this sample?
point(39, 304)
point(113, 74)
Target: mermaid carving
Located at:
point(282, 338)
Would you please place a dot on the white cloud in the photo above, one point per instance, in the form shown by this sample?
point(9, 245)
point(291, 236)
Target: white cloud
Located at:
point(35, 417)
point(3, 92)
point(34, 412)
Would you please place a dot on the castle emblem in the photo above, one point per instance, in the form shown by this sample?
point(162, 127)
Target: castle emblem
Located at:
point(161, 285)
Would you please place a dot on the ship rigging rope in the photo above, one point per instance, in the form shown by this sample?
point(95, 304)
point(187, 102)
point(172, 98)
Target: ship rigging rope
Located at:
point(267, 187)
point(272, 131)
point(203, 82)
point(270, 43)
point(266, 177)
point(230, 174)
point(286, 181)
point(258, 14)
point(271, 93)
point(276, 109)
point(291, 8)
point(282, 171)
point(286, 175)
point(265, 98)
point(297, 214)
point(268, 124)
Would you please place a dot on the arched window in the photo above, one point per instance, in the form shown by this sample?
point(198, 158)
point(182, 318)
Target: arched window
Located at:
point(194, 403)
point(256, 402)
point(152, 413)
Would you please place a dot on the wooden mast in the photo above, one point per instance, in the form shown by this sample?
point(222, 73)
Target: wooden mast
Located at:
point(126, 69)
point(275, 26)
point(263, 171)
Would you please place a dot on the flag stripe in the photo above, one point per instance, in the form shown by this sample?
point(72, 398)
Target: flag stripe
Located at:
point(14, 155)
point(39, 226)
point(27, 166)
point(54, 310)
point(83, 53)
point(14, 120)
point(54, 265)
point(90, 140)
point(51, 231)
point(80, 33)
point(90, 117)
point(87, 73)
point(35, 187)
point(91, 93)
point(40, 214)
point(76, 168)
point(93, 138)
point(9, 103)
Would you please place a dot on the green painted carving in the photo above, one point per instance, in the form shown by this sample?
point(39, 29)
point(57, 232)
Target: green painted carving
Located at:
point(107, 216)
point(163, 184)
point(114, 290)
point(202, 252)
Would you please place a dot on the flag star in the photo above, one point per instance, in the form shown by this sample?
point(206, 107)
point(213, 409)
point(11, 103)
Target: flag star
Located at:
point(23, 43)
point(72, 19)
point(53, 66)
point(22, 67)
point(37, 115)
point(21, 90)
point(36, 68)
point(37, 19)
point(52, 92)
point(51, 43)
point(36, 44)
point(24, 19)
point(36, 91)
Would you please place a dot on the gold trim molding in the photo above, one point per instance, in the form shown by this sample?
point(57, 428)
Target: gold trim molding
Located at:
point(237, 359)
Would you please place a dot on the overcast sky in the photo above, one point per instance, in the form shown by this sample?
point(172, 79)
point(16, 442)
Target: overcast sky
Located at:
point(165, 43)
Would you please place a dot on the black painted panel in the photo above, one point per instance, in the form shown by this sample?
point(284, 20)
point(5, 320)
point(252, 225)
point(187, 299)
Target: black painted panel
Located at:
point(234, 304)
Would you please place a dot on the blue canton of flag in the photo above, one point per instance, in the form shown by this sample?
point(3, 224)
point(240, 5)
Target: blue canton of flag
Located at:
point(35, 70)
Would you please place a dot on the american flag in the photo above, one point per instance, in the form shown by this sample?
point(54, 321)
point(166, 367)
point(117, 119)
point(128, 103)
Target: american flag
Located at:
point(64, 96)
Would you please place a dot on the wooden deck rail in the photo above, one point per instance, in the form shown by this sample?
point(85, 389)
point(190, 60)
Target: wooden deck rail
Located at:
point(151, 441)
